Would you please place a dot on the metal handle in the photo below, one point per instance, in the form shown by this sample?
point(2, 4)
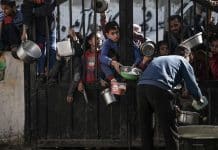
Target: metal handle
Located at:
point(85, 96)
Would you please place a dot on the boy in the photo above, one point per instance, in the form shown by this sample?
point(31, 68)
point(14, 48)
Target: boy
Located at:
point(39, 21)
point(11, 27)
point(109, 57)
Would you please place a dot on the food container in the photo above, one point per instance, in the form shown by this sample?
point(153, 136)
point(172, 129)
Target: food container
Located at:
point(64, 48)
point(188, 118)
point(28, 51)
point(130, 73)
point(118, 88)
point(193, 41)
point(108, 97)
point(99, 6)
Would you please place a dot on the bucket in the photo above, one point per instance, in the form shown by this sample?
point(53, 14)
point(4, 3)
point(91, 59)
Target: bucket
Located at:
point(118, 88)
point(108, 97)
point(64, 48)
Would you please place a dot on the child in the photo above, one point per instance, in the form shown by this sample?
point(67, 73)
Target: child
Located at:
point(163, 48)
point(91, 73)
point(39, 24)
point(109, 57)
point(213, 60)
point(11, 28)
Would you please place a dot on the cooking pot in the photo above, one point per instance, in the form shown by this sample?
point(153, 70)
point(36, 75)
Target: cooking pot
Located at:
point(118, 88)
point(99, 5)
point(147, 48)
point(193, 41)
point(188, 117)
point(28, 51)
point(108, 97)
point(130, 73)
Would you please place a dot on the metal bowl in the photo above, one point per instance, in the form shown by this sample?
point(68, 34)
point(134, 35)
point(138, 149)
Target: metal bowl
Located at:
point(193, 41)
point(28, 51)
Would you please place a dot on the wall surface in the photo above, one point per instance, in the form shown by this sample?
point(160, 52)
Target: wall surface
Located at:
point(12, 104)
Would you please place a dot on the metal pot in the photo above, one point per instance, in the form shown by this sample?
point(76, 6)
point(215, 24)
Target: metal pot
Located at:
point(148, 47)
point(188, 117)
point(28, 51)
point(99, 5)
point(108, 97)
point(193, 41)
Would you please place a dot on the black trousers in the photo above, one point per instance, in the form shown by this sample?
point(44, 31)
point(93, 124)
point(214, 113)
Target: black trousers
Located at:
point(154, 99)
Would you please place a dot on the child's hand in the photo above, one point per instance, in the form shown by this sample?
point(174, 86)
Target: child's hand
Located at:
point(80, 87)
point(103, 83)
point(116, 65)
point(69, 99)
point(24, 36)
point(145, 59)
point(72, 34)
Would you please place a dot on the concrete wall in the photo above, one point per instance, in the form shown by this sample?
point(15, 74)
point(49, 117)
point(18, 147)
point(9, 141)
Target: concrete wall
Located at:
point(12, 104)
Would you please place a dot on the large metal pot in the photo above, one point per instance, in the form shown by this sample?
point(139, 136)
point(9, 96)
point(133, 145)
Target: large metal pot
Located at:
point(188, 118)
point(28, 51)
point(108, 97)
point(193, 41)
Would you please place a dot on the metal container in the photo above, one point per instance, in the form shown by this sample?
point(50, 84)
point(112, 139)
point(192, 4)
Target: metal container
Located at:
point(64, 48)
point(28, 51)
point(148, 48)
point(130, 73)
point(118, 88)
point(188, 117)
point(100, 6)
point(198, 131)
point(108, 97)
point(193, 41)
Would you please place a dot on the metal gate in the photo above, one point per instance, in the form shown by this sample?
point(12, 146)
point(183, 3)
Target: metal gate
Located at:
point(51, 122)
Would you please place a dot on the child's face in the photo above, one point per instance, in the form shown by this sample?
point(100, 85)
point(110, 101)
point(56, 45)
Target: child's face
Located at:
point(7, 10)
point(114, 35)
point(214, 47)
point(98, 41)
point(163, 50)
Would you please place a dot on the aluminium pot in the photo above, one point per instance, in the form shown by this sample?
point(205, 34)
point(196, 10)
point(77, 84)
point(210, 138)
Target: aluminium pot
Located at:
point(108, 97)
point(188, 118)
point(28, 51)
point(99, 6)
point(193, 41)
